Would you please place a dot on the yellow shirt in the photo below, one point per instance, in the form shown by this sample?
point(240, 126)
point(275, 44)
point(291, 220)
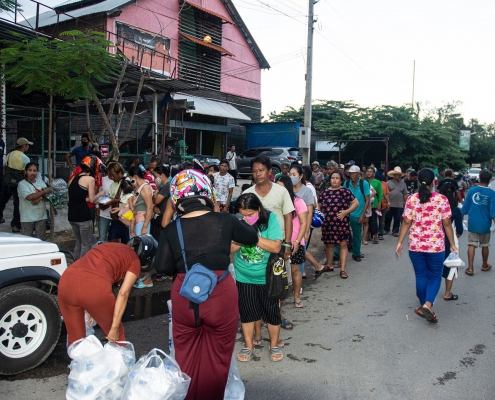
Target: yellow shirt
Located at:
point(17, 160)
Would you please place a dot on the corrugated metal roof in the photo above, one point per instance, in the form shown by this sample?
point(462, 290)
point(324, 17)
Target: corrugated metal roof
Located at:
point(51, 18)
point(214, 108)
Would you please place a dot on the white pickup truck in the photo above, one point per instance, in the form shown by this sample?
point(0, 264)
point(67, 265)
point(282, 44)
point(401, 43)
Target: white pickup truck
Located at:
point(30, 320)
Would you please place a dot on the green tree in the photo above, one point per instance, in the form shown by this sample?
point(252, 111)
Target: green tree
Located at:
point(9, 6)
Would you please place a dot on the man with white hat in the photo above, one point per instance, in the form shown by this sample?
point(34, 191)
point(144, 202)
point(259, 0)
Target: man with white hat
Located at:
point(13, 172)
point(397, 198)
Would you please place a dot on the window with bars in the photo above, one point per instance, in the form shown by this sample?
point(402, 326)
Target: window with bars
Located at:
point(199, 64)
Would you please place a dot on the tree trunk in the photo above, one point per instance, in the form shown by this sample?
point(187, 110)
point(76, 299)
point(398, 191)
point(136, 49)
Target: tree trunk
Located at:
point(49, 163)
point(106, 122)
point(116, 94)
point(88, 124)
point(136, 101)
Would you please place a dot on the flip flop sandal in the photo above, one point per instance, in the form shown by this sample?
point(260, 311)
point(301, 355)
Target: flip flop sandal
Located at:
point(276, 351)
point(141, 285)
point(164, 278)
point(417, 311)
point(429, 315)
point(365, 242)
point(343, 275)
point(245, 355)
point(298, 304)
point(488, 267)
point(257, 342)
point(452, 297)
point(469, 272)
point(286, 322)
point(319, 273)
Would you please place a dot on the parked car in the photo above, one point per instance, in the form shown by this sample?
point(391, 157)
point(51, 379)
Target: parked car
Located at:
point(30, 320)
point(474, 174)
point(211, 160)
point(278, 156)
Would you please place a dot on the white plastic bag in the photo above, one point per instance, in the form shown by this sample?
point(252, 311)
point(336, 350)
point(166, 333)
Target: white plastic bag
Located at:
point(98, 372)
point(156, 378)
point(235, 389)
point(454, 261)
point(171, 349)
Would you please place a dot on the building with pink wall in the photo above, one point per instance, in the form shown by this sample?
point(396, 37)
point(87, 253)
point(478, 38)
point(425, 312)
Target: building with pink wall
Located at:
point(203, 44)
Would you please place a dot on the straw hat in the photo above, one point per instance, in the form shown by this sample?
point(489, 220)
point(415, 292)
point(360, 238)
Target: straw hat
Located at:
point(395, 171)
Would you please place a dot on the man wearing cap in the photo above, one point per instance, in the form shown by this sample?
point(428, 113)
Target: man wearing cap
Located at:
point(361, 191)
point(79, 152)
point(397, 198)
point(15, 163)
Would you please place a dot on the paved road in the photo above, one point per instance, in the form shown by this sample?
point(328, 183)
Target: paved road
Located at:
point(355, 339)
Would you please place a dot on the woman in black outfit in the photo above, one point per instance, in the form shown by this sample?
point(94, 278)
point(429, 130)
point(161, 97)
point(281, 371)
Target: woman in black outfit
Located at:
point(203, 345)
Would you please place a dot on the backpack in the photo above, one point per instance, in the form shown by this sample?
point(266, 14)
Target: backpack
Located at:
point(361, 185)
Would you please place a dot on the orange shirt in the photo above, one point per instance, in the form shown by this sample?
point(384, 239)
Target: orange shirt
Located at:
point(385, 190)
point(111, 261)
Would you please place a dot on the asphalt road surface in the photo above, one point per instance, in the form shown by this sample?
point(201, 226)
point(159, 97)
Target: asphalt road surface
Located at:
point(354, 339)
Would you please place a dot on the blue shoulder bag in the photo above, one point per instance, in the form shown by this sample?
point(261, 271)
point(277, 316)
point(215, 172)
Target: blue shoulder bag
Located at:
point(199, 281)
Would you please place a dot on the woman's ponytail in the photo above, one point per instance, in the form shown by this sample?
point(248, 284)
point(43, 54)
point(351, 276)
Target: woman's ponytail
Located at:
point(425, 179)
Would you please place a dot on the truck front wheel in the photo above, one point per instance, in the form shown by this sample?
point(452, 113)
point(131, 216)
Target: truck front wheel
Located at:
point(30, 325)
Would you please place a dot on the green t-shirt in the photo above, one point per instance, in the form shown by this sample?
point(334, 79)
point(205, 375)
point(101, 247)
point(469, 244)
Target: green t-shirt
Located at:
point(250, 261)
point(377, 185)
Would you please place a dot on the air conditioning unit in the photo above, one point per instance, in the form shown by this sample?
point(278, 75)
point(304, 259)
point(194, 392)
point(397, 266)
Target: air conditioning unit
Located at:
point(304, 137)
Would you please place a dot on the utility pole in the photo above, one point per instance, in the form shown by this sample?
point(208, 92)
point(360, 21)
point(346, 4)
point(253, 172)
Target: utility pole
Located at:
point(309, 79)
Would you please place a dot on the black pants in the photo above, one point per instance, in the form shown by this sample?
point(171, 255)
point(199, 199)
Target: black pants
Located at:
point(233, 172)
point(8, 192)
point(396, 214)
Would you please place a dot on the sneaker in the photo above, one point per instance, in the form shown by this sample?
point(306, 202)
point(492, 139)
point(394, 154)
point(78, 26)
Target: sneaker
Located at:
point(375, 241)
point(357, 259)
point(395, 234)
point(380, 237)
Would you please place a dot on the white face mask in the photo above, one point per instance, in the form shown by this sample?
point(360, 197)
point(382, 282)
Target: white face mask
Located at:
point(158, 182)
point(295, 180)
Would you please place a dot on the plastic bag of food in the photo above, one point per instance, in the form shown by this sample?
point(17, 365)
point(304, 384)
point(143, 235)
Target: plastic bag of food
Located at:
point(156, 378)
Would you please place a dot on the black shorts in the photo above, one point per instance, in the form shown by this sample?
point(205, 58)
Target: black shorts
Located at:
point(299, 257)
point(254, 305)
point(118, 231)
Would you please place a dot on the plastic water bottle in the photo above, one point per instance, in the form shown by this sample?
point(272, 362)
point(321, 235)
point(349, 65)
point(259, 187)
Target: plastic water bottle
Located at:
point(80, 389)
point(89, 329)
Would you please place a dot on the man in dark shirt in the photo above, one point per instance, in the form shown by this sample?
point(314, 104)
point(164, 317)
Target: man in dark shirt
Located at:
point(412, 182)
point(449, 180)
point(79, 152)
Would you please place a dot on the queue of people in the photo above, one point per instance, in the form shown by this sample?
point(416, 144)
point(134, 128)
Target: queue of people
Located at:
point(359, 207)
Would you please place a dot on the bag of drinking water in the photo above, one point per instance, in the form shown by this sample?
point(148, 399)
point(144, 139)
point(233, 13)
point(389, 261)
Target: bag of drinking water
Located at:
point(98, 372)
point(235, 389)
point(156, 378)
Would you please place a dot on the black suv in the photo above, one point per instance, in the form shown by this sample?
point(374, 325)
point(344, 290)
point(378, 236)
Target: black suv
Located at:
point(278, 156)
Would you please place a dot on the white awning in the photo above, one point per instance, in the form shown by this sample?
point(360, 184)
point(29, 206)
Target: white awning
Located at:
point(214, 108)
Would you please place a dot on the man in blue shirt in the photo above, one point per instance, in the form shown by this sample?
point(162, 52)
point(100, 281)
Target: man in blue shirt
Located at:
point(79, 152)
point(361, 191)
point(479, 206)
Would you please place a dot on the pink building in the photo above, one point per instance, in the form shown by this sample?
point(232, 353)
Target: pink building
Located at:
point(198, 50)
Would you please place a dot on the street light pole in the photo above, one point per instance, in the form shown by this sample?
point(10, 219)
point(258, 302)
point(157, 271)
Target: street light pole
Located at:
point(309, 78)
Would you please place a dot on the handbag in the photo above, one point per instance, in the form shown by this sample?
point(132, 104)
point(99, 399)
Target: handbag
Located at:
point(277, 282)
point(199, 281)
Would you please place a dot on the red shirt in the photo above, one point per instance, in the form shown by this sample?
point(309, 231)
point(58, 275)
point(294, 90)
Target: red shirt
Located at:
point(111, 261)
